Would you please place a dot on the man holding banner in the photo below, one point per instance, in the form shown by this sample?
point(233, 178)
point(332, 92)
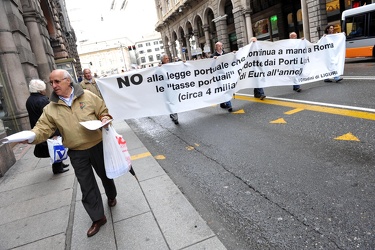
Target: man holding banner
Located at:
point(218, 52)
point(173, 116)
point(296, 87)
point(258, 92)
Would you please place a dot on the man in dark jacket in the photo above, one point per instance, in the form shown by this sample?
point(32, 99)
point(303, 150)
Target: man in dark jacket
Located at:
point(218, 52)
point(174, 116)
point(34, 105)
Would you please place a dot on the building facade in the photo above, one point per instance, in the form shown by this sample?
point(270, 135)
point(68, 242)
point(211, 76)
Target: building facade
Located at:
point(107, 57)
point(190, 25)
point(35, 38)
point(149, 50)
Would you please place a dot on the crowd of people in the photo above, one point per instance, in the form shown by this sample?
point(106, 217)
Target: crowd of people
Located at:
point(71, 103)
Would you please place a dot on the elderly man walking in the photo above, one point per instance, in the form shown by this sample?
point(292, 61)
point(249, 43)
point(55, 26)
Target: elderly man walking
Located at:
point(69, 105)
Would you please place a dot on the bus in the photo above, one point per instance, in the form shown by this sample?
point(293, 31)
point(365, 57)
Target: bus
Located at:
point(359, 27)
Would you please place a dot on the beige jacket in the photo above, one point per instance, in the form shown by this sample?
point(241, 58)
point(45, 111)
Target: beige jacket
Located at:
point(93, 87)
point(86, 106)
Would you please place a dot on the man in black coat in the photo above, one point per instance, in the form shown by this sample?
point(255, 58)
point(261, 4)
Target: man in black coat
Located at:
point(218, 52)
point(34, 105)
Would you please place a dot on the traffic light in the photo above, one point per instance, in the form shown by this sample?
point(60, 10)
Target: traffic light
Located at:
point(133, 47)
point(356, 4)
point(129, 48)
point(91, 63)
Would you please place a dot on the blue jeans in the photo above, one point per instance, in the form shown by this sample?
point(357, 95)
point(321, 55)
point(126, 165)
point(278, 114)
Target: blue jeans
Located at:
point(258, 92)
point(226, 105)
point(296, 87)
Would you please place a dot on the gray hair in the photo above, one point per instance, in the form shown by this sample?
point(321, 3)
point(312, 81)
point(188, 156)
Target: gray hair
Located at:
point(36, 85)
point(67, 75)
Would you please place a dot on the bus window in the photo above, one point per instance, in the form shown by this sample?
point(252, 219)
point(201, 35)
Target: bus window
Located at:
point(355, 26)
point(359, 27)
point(372, 24)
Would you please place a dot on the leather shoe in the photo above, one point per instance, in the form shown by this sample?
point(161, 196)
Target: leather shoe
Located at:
point(65, 165)
point(95, 227)
point(338, 80)
point(112, 202)
point(60, 171)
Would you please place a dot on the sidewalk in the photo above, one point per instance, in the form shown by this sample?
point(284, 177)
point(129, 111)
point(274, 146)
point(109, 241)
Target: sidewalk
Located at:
point(39, 210)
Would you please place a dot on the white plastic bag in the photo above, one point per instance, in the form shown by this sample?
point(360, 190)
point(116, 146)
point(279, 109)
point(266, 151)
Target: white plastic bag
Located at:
point(57, 152)
point(116, 155)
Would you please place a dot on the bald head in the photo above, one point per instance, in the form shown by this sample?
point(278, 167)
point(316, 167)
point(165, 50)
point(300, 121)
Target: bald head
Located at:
point(219, 47)
point(293, 35)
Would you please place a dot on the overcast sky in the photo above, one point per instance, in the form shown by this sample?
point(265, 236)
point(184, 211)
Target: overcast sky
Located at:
point(94, 20)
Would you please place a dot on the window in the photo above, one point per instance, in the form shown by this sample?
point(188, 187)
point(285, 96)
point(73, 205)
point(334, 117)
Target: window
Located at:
point(267, 29)
point(149, 50)
point(161, 47)
point(157, 49)
point(290, 20)
point(261, 28)
point(140, 45)
point(160, 42)
point(141, 52)
point(259, 5)
point(371, 29)
point(273, 21)
point(156, 43)
point(158, 57)
point(355, 26)
point(143, 60)
point(148, 44)
point(150, 58)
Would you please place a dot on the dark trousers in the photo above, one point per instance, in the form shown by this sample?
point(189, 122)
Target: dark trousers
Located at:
point(83, 162)
point(258, 92)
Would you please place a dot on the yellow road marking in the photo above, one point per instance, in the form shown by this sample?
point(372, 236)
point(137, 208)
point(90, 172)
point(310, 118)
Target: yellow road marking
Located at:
point(310, 107)
point(278, 121)
point(293, 111)
point(241, 111)
point(347, 137)
point(139, 156)
point(160, 157)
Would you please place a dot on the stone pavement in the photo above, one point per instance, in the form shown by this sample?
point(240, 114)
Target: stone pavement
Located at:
point(39, 210)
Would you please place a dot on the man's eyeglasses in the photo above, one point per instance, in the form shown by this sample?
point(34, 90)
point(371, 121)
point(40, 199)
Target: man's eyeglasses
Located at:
point(56, 81)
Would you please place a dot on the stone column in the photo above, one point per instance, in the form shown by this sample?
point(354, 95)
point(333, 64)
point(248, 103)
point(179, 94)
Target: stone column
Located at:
point(36, 24)
point(317, 18)
point(222, 33)
point(6, 155)
point(167, 50)
point(187, 39)
point(239, 27)
point(182, 53)
point(249, 26)
point(305, 20)
point(174, 50)
point(13, 82)
point(206, 29)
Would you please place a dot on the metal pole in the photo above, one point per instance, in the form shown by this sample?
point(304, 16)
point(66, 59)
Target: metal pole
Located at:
point(305, 20)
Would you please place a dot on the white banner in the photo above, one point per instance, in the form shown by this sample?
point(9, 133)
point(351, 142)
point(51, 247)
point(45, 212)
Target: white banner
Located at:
point(184, 86)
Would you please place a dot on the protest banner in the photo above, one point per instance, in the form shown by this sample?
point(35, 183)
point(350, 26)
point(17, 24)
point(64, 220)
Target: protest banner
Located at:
point(183, 86)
